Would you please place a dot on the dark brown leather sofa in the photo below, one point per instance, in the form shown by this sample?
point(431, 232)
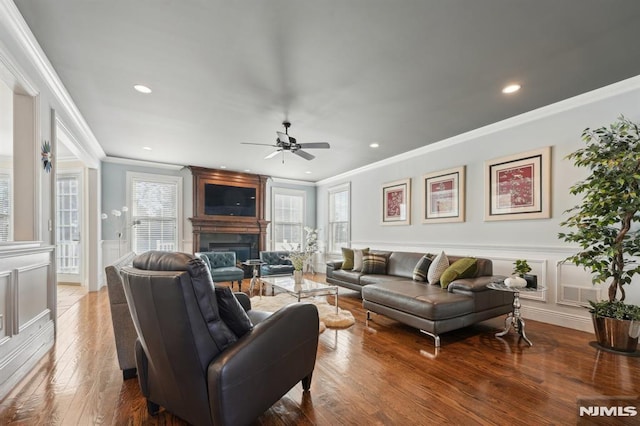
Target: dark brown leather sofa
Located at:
point(193, 363)
point(430, 308)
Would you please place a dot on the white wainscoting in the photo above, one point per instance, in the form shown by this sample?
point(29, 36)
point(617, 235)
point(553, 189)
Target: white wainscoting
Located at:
point(27, 309)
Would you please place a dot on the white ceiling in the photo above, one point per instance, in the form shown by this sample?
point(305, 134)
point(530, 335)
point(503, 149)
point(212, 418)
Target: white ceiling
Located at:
point(401, 73)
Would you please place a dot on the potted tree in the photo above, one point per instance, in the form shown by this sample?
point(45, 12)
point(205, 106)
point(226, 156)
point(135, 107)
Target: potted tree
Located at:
point(602, 225)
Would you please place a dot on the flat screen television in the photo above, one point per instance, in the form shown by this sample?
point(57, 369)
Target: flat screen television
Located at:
point(224, 200)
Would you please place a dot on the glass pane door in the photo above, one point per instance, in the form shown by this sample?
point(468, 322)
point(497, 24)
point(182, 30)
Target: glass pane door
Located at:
point(68, 224)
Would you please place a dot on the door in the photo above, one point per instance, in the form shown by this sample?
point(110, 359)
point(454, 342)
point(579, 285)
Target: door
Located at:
point(68, 226)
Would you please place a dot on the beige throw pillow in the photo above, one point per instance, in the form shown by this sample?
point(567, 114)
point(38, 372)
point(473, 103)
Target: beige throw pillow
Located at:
point(358, 254)
point(437, 268)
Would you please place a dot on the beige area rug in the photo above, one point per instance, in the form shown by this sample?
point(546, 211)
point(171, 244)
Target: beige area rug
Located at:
point(327, 312)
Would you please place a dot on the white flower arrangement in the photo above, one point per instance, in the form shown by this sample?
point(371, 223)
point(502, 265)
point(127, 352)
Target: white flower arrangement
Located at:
point(297, 255)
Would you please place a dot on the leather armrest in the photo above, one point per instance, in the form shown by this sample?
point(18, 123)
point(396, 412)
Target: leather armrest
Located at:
point(277, 353)
point(334, 264)
point(244, 300)
point(471, 284)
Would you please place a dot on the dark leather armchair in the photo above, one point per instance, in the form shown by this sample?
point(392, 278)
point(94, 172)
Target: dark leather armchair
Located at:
point(192, 364)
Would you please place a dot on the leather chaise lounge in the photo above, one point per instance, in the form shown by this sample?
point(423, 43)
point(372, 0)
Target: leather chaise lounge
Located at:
point(428, 307)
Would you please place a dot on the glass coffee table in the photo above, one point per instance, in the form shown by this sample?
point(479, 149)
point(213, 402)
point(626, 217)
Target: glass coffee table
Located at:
point(306, 288)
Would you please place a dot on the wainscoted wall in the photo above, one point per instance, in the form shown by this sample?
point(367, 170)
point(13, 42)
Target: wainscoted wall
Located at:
point(27, 309)
point(558, 126)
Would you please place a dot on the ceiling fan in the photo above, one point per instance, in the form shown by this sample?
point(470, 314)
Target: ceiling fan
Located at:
point(284, 142)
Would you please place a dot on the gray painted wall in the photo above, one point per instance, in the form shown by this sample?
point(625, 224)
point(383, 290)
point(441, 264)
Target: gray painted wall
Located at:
point(559, 126)
point(114, 193)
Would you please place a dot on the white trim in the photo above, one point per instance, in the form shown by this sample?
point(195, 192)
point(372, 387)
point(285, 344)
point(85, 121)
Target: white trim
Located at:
point(562, 319)
point(276, 190)
point(142, 163)
point(293, 182)
point(345, 186)
point(561, 250)
point(583, 99)
point(11, 18)
point(150, 177)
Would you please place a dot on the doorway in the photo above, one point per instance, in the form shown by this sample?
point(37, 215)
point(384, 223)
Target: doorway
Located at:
point(69, 222)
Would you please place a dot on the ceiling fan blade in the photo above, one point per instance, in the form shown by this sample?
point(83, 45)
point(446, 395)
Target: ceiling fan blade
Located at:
point(283, 137)
point(273, 154)
point(315, 145)
point(304, 154)
point(261, 144)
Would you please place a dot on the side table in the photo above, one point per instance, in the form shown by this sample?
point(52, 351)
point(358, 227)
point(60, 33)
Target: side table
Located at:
point(256, 263)
point(514, 319)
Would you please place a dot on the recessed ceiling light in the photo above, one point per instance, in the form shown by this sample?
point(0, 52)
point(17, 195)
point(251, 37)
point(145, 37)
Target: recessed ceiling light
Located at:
point(308, 172)
point(142, 88)
point(512, 88)
point(374, 145)
point(147, 148)
point(223, 167)
point(247, 170)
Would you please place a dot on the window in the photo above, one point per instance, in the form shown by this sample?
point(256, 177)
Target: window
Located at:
point(339, 217)
point(288, 218)
point(155, 211)
point(68, 224)
point(5, 207)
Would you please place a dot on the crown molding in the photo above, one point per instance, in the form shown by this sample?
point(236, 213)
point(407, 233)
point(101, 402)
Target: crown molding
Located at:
point(142, 163)
point(583, 99)
point(293, 182)
point(11, 18)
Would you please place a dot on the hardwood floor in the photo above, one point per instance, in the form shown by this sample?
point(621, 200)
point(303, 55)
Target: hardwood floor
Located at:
point(383, 374)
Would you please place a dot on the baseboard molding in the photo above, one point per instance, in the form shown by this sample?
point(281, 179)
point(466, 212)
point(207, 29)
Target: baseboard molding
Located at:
point(25, 357)
point(561, 319)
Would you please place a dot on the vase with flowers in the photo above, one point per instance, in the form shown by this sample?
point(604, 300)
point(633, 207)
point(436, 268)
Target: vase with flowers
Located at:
point(299, 256)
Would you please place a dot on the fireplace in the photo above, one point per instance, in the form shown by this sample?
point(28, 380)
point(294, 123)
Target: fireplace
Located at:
point(244, 245)
point(221, 229)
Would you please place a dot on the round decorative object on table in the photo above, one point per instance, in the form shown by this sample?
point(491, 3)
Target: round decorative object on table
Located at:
point(515, 281)
point(514, 319)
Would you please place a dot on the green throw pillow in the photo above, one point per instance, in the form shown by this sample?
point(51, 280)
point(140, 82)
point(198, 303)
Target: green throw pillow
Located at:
point(462, 268)
point(347, 258)
point(374, 264)
point(422, 267)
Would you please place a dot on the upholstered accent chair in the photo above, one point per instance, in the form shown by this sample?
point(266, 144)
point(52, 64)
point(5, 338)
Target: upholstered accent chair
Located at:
point(276, 263)
point(222, 265)
point(192, 359)
point(123, 329)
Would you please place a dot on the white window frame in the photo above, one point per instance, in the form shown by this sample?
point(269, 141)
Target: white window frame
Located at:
point(291, 192)
point(150, 177)
point(331, 245)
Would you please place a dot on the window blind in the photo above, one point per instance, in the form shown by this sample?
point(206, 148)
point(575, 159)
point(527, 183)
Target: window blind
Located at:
point(154, 215)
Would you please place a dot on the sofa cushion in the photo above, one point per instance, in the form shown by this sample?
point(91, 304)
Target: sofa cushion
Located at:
point(231, 311)
point(425, 301)
point(437, 268)
point(358, 254)
point(402, 263)
point(378, 278)
point(347, 258)
point(347, 276)
point(463, 268)
point(422, 268)
point(374, 264)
